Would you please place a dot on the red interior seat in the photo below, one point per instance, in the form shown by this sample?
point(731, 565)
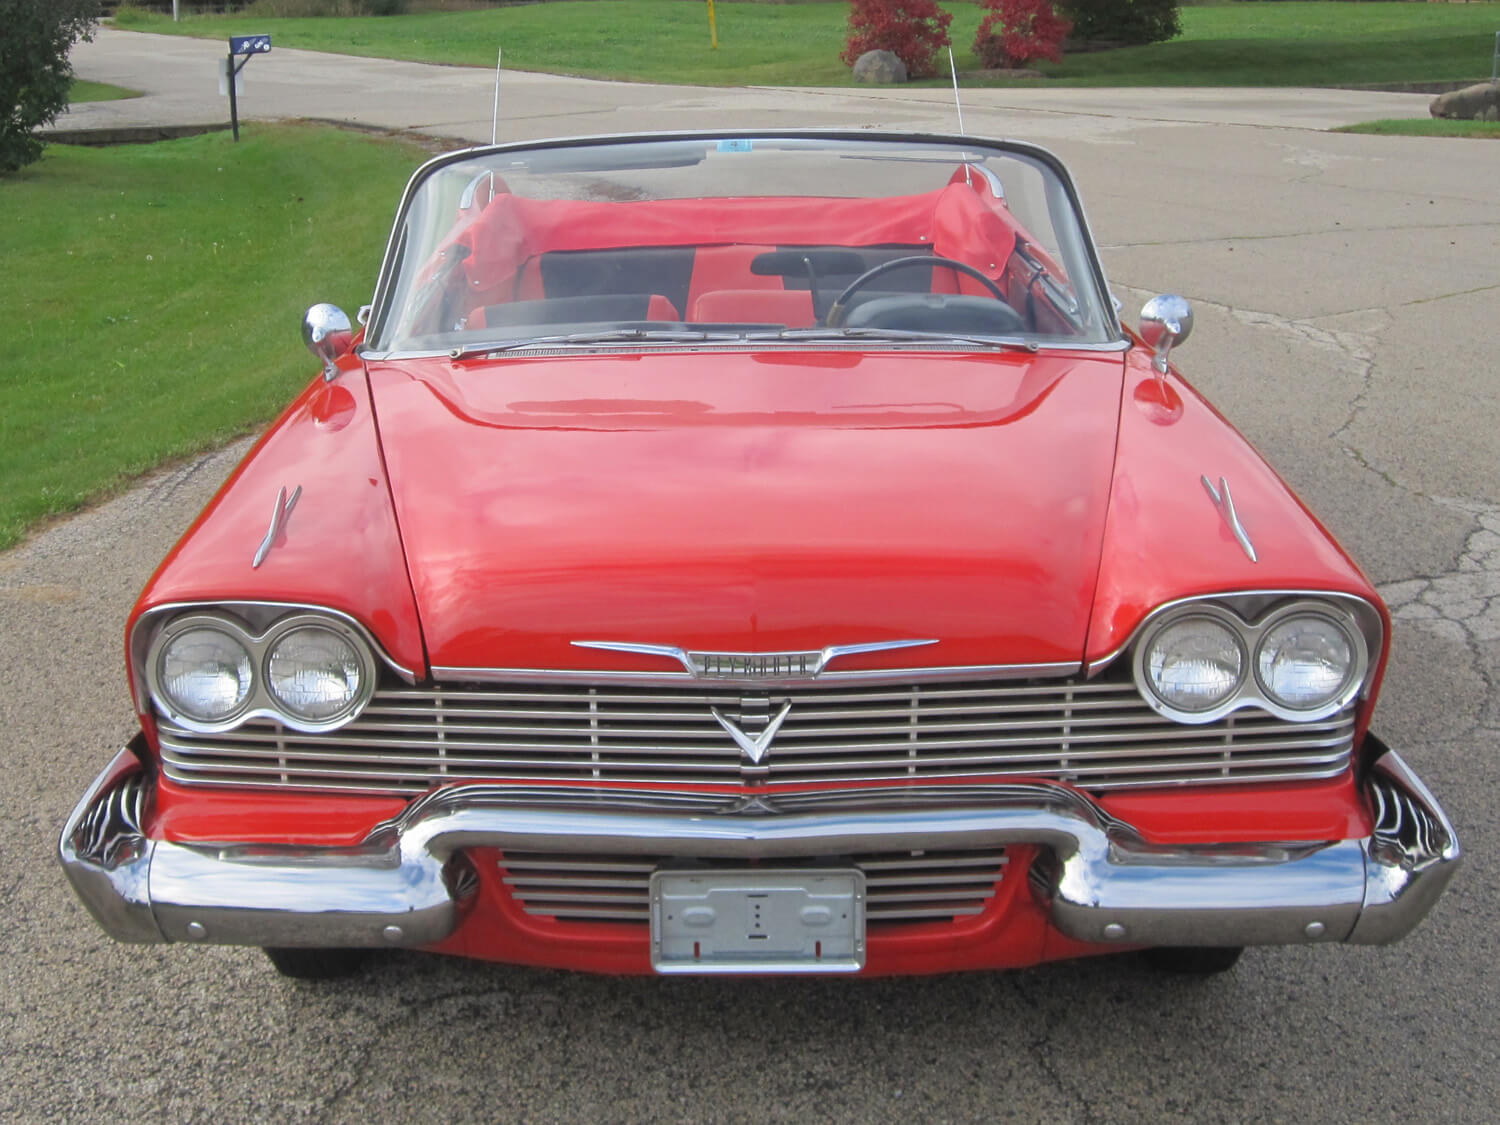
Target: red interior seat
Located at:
point(791, 307)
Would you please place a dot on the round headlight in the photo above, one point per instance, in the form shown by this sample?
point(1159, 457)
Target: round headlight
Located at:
point(206, 674)
point(1194, 664)
point(1305, 661)
point(314, 673)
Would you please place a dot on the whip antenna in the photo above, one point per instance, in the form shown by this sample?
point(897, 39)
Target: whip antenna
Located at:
point(958, 105)
point(495, 120)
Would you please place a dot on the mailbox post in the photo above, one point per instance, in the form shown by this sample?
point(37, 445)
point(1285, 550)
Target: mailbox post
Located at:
point(246, 45)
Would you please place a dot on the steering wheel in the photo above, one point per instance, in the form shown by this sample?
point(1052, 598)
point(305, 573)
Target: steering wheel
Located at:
point(839, 309)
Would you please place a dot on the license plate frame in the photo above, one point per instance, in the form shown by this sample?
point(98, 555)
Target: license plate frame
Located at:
point(760, 920)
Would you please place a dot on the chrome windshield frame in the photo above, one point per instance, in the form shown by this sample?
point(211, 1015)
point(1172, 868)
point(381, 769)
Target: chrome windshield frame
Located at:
point(966, 148)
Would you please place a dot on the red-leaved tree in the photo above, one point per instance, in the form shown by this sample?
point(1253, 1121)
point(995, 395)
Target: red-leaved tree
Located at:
point(912, 30)
point(1015, 32)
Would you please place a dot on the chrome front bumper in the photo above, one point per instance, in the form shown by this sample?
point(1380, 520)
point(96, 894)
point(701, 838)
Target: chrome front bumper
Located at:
point(1104, 883)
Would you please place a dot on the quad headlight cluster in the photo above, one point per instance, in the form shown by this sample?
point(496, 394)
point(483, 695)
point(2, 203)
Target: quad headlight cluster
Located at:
point(210, 672)
point(1302, 660)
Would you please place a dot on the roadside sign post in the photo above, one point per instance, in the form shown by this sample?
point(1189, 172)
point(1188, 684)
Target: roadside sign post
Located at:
point(248, 46)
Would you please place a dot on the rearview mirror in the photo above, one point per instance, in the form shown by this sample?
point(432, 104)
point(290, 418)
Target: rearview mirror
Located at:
point(1166, 321)
point(328, 334)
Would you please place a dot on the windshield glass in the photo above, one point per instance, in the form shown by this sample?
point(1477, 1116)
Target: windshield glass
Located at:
point(676, 241)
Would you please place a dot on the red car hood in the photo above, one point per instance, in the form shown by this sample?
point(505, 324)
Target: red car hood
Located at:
point(751, 503)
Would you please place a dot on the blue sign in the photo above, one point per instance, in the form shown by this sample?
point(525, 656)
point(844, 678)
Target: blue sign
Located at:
point(249, 44)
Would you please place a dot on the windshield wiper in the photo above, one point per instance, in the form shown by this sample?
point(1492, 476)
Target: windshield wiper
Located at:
point(893, 335)
point(610, 336)
point(785, 335)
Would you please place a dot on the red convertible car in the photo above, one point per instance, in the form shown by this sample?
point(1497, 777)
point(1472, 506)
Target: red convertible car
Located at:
point(754, 553)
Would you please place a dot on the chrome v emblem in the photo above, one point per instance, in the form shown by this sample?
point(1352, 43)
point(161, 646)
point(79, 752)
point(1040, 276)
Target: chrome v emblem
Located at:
point(754, 748)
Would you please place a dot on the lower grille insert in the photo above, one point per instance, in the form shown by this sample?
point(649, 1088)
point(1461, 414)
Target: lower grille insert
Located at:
point(899, 886)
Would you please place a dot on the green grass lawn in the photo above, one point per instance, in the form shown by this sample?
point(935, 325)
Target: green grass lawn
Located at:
point(1283, 44)
point(82, 91)
point(640, 40)
point(154, 296)
point(1305, 44)
point(1426, 127)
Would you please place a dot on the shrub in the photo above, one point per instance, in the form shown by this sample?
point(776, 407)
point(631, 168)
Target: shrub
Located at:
point(298, 8)
point(1015, 32)
point(912, 30)
point(34, 70)
point(1128, 22)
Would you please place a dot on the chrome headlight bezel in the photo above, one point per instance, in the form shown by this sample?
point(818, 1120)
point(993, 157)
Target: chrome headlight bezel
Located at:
point(1353, 675)
point(1205, 612)
point(1352, 616)
point(259, 643)
point(181, 628)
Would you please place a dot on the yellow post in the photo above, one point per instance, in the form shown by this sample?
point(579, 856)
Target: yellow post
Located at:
point(713, 26)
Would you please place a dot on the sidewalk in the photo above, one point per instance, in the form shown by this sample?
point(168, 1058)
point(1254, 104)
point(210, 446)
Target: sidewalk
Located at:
point(180, 83)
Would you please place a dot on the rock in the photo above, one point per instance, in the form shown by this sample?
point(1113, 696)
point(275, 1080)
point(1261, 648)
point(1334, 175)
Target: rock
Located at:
point(1472, 103)
point(879, 67)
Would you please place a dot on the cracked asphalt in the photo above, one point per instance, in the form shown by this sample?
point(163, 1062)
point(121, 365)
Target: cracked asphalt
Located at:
point(1345, 297)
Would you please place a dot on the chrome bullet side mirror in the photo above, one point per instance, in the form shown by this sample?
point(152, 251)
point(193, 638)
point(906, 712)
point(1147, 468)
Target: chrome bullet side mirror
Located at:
point(328, 334)
point(1166, 321)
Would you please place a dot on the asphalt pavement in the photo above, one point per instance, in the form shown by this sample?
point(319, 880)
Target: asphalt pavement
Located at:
point(1345, 291)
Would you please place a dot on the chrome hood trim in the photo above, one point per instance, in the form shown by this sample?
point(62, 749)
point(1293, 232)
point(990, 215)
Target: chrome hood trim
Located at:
point(834, 676)
point(752, 666)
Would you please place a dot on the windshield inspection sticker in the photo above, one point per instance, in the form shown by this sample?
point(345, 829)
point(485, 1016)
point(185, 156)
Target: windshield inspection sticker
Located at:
point(736, 146)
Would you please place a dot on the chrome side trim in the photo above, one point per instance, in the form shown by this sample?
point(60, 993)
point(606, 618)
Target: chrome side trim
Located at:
point(402, 886)
point(752, 666)
point(279, 516)
point(871, 676)
point(1224, 505)
point(996, 187)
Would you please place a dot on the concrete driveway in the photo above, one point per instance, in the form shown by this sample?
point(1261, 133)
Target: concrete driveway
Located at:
point(179, 79)
point(1346, 297)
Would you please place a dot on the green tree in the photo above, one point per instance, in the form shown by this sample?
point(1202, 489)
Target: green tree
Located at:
point(34, 70)
point(1127, 22)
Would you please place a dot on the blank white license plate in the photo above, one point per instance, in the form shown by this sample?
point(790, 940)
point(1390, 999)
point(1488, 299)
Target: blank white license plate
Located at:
point(758, 921)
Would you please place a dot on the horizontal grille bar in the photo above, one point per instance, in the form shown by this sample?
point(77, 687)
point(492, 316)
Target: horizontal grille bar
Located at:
point(930, 886)
point(1098, 734)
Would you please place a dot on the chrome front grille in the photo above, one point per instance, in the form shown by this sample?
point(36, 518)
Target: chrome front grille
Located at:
point(1098, 734)
point(899, 886)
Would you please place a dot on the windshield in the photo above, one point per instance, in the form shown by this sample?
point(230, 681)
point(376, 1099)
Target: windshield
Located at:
point(676, 241)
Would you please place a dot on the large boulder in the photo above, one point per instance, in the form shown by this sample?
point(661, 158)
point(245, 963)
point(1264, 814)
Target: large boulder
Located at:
point(1472, 103)
point(880, 67)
